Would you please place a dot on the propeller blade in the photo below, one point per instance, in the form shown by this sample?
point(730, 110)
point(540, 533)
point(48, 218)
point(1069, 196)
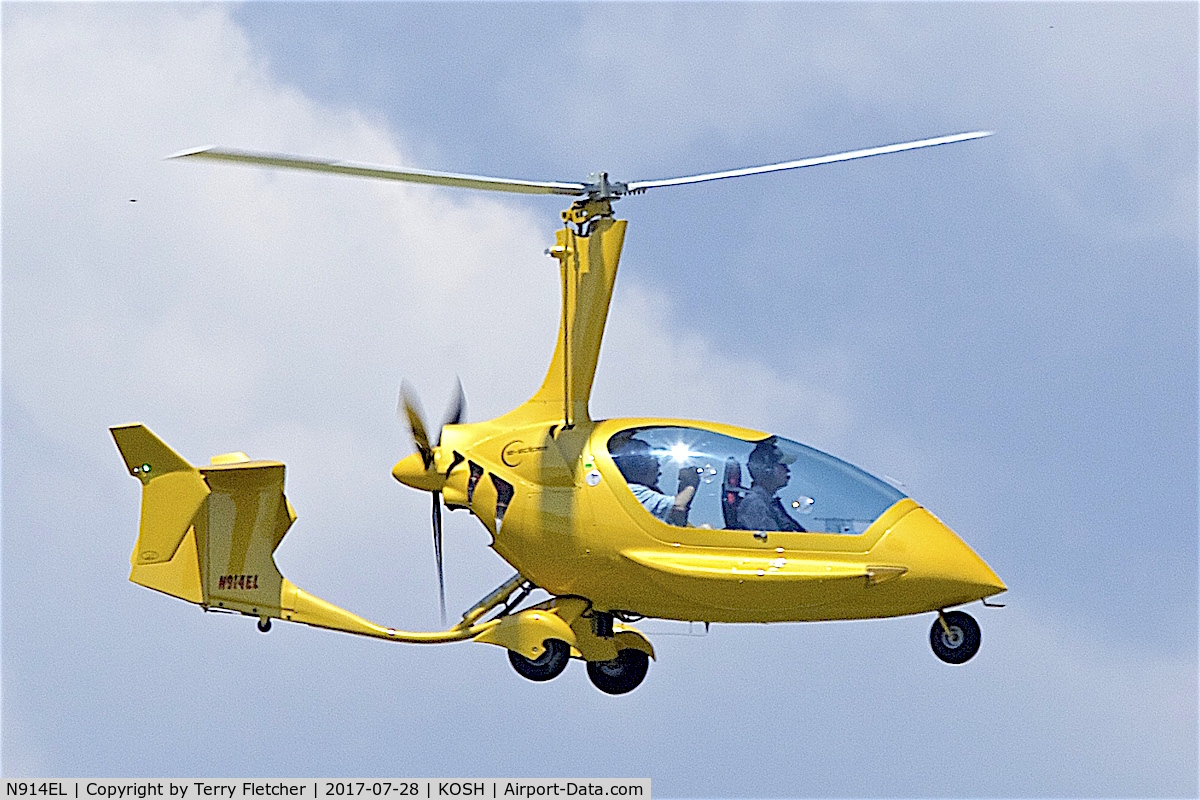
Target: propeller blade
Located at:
point(437, 551)
point(387, 173)
point(641, 186)
point(457, 412)
point(409, 408)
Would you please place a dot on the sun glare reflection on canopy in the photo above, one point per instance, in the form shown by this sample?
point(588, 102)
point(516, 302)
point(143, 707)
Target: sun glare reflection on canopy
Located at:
point(681, 452)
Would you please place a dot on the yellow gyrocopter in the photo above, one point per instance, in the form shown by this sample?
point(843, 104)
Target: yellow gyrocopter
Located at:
point(617, 520)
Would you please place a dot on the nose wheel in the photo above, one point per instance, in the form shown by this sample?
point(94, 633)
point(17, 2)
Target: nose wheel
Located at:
point(954, 637)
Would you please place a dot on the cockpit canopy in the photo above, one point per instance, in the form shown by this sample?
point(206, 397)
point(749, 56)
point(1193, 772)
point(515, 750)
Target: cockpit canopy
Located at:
point(693, 477)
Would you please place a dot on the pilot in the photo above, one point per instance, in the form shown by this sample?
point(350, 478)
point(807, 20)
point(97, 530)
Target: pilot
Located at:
point(641, 470)
point(760, 509)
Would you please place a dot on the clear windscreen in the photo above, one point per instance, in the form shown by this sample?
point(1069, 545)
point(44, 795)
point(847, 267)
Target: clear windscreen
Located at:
point(688, 476)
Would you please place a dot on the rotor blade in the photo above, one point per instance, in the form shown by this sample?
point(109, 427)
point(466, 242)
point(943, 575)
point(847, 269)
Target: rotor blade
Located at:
point(386, 173)
point(640, 186)
point(437, 550)
point(409, 408)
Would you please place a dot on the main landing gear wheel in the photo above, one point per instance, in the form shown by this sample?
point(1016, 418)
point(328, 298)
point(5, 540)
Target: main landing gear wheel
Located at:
point(622, 674)
point(548, 665)
point(957, 645)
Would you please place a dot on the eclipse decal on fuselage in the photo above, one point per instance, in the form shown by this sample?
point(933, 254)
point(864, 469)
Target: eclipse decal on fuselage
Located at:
point(510, 454)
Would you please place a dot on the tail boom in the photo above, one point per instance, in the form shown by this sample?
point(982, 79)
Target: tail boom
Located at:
point(208, 535)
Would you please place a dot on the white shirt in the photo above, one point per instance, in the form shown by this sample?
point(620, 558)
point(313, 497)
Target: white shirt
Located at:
point(656, 503)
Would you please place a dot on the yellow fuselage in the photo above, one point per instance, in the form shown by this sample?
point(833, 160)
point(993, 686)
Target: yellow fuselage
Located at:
point(592, 539)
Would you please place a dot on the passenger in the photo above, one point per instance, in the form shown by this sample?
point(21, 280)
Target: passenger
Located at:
point(760, 509)
point(641, 470)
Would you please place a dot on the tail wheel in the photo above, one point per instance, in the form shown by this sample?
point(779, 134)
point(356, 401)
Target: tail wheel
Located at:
point(622, 674)
point(958, 640)
point(547, 666)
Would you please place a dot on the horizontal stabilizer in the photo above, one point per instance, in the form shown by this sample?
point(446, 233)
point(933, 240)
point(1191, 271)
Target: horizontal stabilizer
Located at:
point(246, 518)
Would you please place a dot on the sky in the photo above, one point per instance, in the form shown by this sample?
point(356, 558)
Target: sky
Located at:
point(1007, 327)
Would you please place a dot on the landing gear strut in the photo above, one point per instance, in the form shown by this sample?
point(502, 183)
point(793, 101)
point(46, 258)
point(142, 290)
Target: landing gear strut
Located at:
point(954, 637)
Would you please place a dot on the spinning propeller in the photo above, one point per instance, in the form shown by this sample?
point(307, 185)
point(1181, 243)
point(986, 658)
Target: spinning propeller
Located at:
point(596, 187)
point(409, 409)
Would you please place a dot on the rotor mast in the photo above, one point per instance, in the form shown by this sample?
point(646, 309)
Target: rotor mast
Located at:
point(588, 251)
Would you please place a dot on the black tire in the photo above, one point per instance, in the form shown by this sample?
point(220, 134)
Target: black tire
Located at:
point(547, 666)
point(264, 624)
point(623, 674)
point(963, 641)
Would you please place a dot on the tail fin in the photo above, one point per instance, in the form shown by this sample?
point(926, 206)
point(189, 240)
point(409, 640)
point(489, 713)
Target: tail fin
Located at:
point(208, 534)
point(166, 556)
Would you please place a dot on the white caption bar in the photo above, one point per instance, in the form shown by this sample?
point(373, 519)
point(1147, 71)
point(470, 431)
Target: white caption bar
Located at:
point(312, 789)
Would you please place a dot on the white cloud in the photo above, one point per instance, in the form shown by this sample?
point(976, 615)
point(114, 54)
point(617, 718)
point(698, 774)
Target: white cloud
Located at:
point(649, 367)
point(226, 298)
point(223, 294)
